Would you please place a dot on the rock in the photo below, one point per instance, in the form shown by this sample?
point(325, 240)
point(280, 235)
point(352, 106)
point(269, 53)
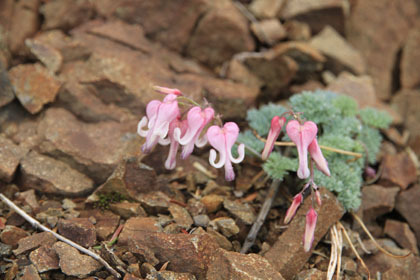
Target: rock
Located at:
point(6, 90)
point(79, 230)
point(398, 170)
point(269, 31)
point(72, 263)
point(44, 259)
point(402, 234)
point(317, 14)
point(340, 55)
point(226, 226)
point(10, 155)
point(212, 202)
point(408, 207)
point(34, 86)
point(5, 250)
point(287, 254)
point(220, 239)
point(181, 215)
point(52, 176)
point(241, 211)
point(297, 30)
point(170, 275)
point(377, 200)
point(313, 274)
point(30, 199)
point(11, 235)
point(106, 222)
point(201, 220)
point(136, 226)
point(34, 241)
point(266, 8)
point(219, 34)
point(232, 265)
point(48, 55)
point(238, 72)
point(349, 266)
point(380, 48)
point(30, 273)
point(127, 209)
point(410, 57)
point(65, 14)
point(82, 145)
point(311, 85)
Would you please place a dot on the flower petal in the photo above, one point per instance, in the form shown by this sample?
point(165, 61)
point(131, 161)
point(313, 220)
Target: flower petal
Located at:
point(318, 157)
point(311, 218)
point(275, 129)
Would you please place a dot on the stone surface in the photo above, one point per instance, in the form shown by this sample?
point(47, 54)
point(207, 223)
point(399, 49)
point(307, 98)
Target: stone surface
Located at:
point(313, 274)
point(410, 58)
point(408, 207)
point(232, 265)
point(11, 235)
point(226, 226)
point(137, 225)
point(79, 230)
point(29, 197)
point(287, 254)
point(297, 30)
point(212, 202)
point(72, 263)
point(48, 55)
point(241, 211)
point(340, 54)
point(52, 176)
point(10, 155)
point(238, 72)
point(220, 238)
point(127, 209)
point(398, 169)
point(380, 48)
point(34, 86)
point(34, 241)
point(30, 273)
point(180, 215)
point(6, 91)
point(377, 200)
point(44, 259)
point(269, 31)
point(170, 275)
point(265, 8)
point(402, 234)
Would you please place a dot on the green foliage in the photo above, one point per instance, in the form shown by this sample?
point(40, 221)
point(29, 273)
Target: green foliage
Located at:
point(260, 120)
point(371, 139)
point(277, 166)
point(347, 105)
point(251, 141)
point(107, 198)
point(375, 118)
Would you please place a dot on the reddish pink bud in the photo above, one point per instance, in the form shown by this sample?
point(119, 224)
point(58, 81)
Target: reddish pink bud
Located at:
point(311, 218)
point(166, 90)
point(318, 197)
point(276, 126)
point(318, 157)
point(297, 200)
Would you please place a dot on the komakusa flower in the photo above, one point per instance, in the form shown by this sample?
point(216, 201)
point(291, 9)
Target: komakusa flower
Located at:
point(222, 139)
point(197, 119)
point(181, 125)
point(311, 218)
point(158, 117)
point(302, 136)
point(297, 200)
point(275, 129)
point(316, 154)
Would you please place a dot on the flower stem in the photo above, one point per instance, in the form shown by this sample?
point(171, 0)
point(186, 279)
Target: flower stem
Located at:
point(188, 100)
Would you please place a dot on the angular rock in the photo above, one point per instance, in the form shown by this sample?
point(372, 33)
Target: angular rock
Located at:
point(52, 176)
point(30, 199)
point(232, 265)
point(5, 250)
point(407, 205)
point(44, 259)
point(380, 48)
point(135, 226)
point(34, 241)
point(127, 209)
point(170, 275)
point(266, 8)
point(34, 86)
point(30, 273)
point(180, 215)
point(79, 230)
point(106, 222)
point(220, 238)
point(226, 226)
point(287, 254)
point(72, 263)
point(269, 31)
point(212, 202)
point(219, 34)
point(340, 54)
point(377, 200)
point(313, 274)
point(238, 72)
point(242, 211)
point(297, 30)
point(48, 55)
point(317, 14)
point(402, 234)
point(11, 235)
point(10, 155)
point(6, 91)
point(201, 220)
point(410, 58)
point(398, 170)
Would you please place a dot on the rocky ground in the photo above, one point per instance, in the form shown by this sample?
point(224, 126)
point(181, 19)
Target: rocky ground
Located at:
point(75, 77)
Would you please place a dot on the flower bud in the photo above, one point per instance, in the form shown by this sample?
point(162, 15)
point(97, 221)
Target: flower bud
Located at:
point(308, 239)
point(297, 200)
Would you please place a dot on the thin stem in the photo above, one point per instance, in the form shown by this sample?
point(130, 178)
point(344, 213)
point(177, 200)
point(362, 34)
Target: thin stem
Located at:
point(189, 100)
point(38, 225)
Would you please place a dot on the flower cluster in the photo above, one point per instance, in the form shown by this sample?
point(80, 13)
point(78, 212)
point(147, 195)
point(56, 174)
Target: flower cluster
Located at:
point(166, 126)
point(303, 134)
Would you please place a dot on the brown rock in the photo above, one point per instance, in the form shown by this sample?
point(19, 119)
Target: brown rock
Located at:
point(220, 239)
point(226, 226)
point(52, 176)
point(311, 85)
point(11, 235)
point(6, 13)
point(238, 72)
point(106, 222)
point(266, 8)
point(232, 265)
point(408, 207)
point(72, 263)
point(317, 14)
point(313, 274)
point(127, 209)
point(340, 55)
point(66, 14)
point(269, 31)
point(297, 31)
point(10, 155)
point(79, 230)
point(377, 200)
point(135, 226)
point(34, 86)
point(48, 55)
point(30, 199)
point(220, 33)
point(180, 215)
point(287, 254)
point(398, 170)
point(44, 259)
point(380, 48)
point(170, 275)
point(212, 202)
point(243, 211)
point(410, 58)
point(30, 273)
point(34, 241)
point(6, 91)
point(402, 234)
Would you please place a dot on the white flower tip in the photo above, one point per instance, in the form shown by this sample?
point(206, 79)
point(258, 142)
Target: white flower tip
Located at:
point(303, 172)
point(212, 159)
point(241, 152)
point(142, 123)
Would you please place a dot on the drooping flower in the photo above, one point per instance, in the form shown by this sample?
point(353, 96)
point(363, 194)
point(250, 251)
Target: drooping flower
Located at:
point(316, 154)
point(170, 162)
point(311, 218)
point(302, 136)
point(166, 90)
point(222, 139)
point(297, 200)
point(159, 114)
point(197, 119)
point(275, 129)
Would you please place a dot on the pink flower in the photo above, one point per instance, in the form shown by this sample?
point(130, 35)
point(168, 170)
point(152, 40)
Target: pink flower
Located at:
point(302, 136)
point(166, 90)
point(318, 157)
point(222, 139)
point(297, 200)
point(308, 238)
point(197, 120)
point(159, 116)
point(170, 162)
point(276, 126)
